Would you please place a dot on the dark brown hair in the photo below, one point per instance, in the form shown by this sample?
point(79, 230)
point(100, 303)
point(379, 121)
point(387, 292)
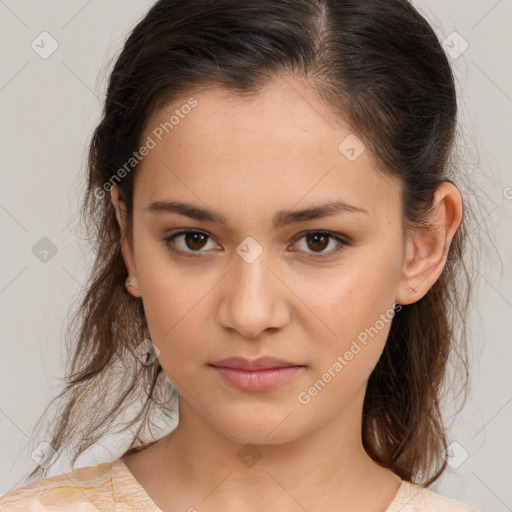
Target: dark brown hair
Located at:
point(378, 65)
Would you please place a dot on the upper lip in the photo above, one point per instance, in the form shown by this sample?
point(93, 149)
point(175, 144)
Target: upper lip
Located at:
point(261, 363)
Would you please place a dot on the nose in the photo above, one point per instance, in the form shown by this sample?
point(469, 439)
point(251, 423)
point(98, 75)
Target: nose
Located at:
point(254, 298)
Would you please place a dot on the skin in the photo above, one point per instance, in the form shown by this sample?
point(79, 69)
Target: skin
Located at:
point(248, 159)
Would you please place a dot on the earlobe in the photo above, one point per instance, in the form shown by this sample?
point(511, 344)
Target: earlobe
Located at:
point(421, 267)
point(427, 246)
point(132, 285)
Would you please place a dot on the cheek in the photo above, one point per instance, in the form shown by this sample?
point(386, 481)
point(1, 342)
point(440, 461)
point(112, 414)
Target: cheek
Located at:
point(170, 291)
point(354, 308)
point(177, 310)
point(343, 360)
point(351, 298)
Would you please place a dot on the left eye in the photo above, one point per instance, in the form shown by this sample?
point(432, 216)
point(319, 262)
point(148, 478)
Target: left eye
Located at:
point(195, 241)
point(320, 240)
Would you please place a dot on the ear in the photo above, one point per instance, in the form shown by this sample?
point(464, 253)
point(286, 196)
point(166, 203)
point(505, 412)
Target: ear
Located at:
point(132, 283)
point(427, 246)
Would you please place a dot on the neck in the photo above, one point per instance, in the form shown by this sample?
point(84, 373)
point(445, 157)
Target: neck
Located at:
point(326, 466)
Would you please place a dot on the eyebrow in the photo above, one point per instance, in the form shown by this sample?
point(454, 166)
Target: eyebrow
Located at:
point(280, 219)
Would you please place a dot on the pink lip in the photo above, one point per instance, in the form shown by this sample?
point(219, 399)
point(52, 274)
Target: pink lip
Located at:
point(256, 375)
point(261, 363)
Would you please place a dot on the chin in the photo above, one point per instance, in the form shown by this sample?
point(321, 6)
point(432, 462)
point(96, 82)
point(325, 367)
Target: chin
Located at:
point(252, 429)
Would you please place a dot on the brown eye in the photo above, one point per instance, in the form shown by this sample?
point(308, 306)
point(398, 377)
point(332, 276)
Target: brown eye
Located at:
point(192, 243)
point(318, 241)
point(188, 242)
point(195, 240)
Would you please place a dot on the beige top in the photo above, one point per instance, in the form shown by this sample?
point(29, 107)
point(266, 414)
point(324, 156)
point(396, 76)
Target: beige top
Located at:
point(111, 486)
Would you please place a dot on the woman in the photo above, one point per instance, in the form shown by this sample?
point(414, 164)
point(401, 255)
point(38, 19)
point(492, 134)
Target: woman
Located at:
point(279, 236)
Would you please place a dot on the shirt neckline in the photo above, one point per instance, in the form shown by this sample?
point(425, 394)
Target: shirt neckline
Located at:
point(121, 471)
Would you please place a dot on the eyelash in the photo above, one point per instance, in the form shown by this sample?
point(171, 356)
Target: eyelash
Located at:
point(168, 241)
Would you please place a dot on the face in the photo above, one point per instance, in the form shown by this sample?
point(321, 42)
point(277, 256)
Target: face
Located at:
point(255, 278)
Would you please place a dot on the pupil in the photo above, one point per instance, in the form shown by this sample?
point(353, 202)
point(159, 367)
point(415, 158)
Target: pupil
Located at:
point(316, 237)
point(194, 238)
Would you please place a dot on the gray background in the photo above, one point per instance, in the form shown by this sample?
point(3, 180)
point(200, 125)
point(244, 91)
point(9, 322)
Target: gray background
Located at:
point(49, 107)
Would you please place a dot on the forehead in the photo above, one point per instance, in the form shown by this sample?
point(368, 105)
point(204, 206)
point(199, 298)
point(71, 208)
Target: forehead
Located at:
point(280, 146)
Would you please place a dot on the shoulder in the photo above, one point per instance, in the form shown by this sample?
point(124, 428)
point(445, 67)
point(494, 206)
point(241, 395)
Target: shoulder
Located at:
point(416, 498)
point(87, 489)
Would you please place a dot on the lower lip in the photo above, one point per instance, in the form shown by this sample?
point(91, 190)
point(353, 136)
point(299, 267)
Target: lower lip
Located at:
point(257, 380)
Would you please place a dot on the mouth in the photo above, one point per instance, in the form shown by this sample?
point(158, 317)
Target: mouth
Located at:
point(259, 374)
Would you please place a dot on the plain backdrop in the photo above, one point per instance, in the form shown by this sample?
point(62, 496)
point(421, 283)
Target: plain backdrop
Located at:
point(49, 107)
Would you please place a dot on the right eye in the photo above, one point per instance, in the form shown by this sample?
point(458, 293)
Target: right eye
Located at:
point(186, 242)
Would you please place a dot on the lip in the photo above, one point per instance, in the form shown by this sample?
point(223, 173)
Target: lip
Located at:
point(259, 374)
point(261, 363)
